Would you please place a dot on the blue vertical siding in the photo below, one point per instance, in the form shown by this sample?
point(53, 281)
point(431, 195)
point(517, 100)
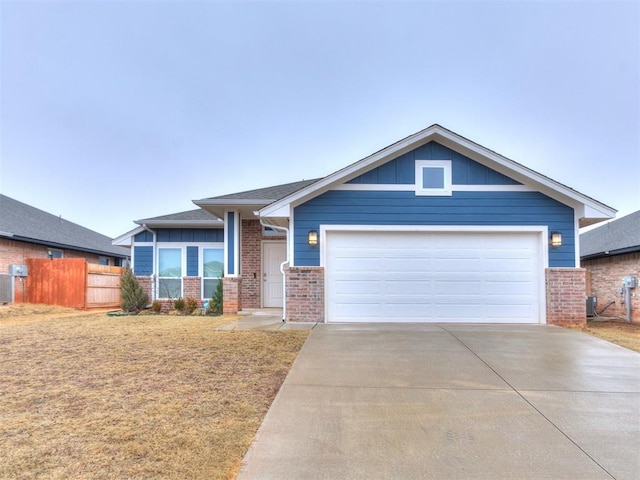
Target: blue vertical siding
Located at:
point(143, 260)
point(464, 170)
point(190, 235)
point(343, 207)
point(183, 235)
point(192, 261)
point(231, 264)
point(145, 236)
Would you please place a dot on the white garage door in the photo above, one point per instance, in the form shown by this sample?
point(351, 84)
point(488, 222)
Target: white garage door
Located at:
point(486, 277)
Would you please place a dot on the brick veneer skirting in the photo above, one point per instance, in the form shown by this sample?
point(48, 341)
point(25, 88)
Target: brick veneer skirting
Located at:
point(566, 292)
point(305, 294)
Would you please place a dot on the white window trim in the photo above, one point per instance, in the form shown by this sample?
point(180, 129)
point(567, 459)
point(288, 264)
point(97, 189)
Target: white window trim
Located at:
point(445, 165)
point(201, 248)
point(183, 267)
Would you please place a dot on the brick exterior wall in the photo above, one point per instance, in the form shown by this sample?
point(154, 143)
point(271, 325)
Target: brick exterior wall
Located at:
point(251, 262)
point(305, 294)
point(145, 283)
point(566, 292)
point(251, 268)
point(16, 252)
point(605, 281)
point(191, 288)
point(231, 295)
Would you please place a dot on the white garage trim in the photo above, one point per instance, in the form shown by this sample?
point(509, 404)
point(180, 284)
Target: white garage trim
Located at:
point(537, 242)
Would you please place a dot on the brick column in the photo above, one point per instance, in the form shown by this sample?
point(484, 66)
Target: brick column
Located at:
point(231, 295)
point(566, 296)
point(251, 251)
point(305, 294)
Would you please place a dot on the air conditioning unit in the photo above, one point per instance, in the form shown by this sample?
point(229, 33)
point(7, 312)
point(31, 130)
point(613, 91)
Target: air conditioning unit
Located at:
point(591, 306)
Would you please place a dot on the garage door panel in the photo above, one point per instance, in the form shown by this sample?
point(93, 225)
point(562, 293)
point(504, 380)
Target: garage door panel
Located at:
point(433, 276)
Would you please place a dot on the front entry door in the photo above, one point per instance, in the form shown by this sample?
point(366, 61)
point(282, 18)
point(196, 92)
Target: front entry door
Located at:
point(273, 254)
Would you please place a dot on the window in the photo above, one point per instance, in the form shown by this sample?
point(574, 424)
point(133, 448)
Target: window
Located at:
point(433, 177)
point(212, 268)
point(103, 261)
point(169, 272)
point(55, 253)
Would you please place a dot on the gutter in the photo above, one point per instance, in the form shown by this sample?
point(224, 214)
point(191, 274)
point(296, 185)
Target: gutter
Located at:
point(287, 260)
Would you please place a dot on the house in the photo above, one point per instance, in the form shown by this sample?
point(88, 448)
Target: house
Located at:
point(433, 228)
point(611, 253)
point(28, 232)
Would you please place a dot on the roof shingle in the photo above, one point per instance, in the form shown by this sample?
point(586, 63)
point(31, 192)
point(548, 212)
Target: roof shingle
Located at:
point(29, 224)
point(615, 237)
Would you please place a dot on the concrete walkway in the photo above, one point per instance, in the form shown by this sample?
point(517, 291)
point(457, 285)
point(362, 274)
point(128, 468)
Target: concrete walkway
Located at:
point(452, 402)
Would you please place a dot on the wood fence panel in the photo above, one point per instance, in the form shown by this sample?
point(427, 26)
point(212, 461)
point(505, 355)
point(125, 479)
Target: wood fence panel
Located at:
point(58, 281)
point(72, 282)
point(103, 286)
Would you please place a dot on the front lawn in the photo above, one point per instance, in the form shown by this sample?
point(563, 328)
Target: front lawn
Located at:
point(616, 331)
point(88, 396)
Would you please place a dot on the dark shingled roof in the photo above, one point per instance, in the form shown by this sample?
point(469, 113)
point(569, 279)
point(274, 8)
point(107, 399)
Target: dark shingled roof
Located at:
point(268, 194)
point(614, 238)
point(198, 215)
point(20, 221)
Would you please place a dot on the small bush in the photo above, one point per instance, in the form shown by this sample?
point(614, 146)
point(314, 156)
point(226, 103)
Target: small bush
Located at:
point(191, 305)
point(156, 306)
point(179, 304)
point(132, 298)
point(215, 306)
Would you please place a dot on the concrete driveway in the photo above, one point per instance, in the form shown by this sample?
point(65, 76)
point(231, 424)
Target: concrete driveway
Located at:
point(452, 402)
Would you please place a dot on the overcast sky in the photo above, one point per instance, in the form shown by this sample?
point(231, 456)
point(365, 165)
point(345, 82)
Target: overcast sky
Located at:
point(115, 111)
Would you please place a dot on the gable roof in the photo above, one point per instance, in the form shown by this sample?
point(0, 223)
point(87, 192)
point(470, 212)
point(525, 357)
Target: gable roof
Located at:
point(189, 218)
point(25, 223)
point(589, 210)
point(614, 238)
point(251, 200)
point(197, 218)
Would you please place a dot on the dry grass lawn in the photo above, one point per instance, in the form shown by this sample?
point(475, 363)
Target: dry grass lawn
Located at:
point(617, 331)
point(85, 395)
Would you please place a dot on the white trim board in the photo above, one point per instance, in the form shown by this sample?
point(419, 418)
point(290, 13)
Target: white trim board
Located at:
point(410, 187)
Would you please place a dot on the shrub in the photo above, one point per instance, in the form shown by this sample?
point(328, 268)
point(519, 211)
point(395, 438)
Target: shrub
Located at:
point(156, 306)
point(178, 304)
point(215, 306)
point(132, 298)
point(191, 305)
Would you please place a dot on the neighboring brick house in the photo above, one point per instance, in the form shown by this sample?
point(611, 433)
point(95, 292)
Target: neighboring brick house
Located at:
point(610, 253)
point(28, 232)
point(434, 228)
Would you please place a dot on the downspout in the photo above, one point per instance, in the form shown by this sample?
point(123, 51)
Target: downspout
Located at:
point(155, 253)
point(284, 280)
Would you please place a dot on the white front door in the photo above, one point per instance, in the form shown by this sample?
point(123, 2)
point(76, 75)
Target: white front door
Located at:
point(273, 254)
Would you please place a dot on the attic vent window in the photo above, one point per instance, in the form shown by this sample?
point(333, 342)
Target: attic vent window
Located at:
point(433, 177)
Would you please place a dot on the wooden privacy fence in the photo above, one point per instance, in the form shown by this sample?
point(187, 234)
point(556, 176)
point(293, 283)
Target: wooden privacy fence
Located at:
point(72, 282)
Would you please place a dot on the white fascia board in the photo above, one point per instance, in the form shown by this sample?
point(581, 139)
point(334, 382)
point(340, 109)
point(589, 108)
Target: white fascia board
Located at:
point(219, 207)
point(524, 175)
point(466, 147)
point(344, 175)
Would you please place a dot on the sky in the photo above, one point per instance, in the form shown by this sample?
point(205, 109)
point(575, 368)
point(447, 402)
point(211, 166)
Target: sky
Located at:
point(115, 111)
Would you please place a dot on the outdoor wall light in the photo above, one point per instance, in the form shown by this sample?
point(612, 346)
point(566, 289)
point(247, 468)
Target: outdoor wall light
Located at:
point(556, 239)
point(312, 238)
